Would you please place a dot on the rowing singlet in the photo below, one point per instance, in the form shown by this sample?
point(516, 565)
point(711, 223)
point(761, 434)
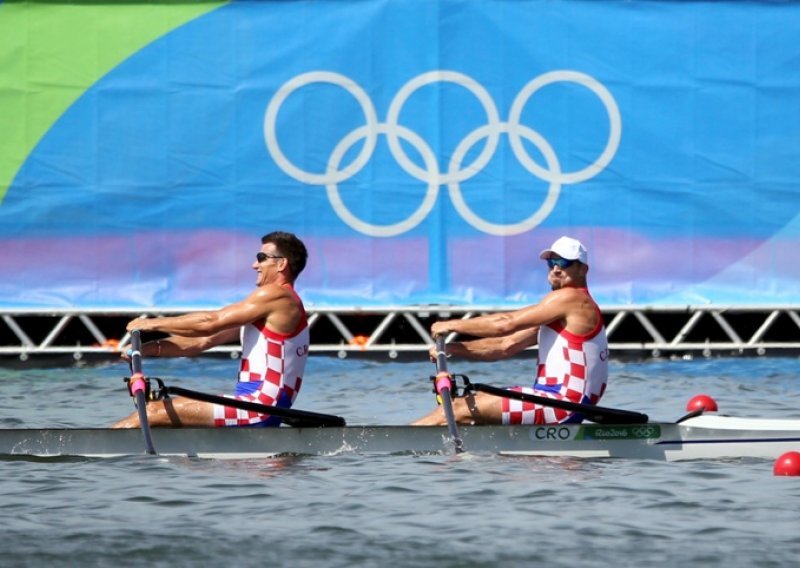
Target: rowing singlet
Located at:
point(271, 372)
point(571, 367)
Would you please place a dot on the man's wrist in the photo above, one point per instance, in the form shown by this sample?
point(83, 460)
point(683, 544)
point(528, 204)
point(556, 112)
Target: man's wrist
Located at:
point(155, 350)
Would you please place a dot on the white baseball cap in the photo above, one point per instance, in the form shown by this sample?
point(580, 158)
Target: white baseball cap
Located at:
point(568, 248)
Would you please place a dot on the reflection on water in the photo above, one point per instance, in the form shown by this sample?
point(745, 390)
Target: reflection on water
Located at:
point(260, 467)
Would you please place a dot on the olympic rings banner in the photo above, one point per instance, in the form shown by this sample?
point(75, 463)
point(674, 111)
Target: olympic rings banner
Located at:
point(425, 151)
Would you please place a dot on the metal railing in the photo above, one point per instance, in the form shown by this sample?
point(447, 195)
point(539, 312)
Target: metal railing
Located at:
point(650, 331)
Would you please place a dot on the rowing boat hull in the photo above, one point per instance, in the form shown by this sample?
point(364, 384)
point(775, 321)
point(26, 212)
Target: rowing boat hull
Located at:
point(703, 437)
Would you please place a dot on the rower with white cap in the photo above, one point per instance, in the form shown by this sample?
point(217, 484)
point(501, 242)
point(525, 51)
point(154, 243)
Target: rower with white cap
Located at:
point(573, 350)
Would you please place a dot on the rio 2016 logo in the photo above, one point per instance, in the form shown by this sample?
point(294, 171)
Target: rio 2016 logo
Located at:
point(430, 173)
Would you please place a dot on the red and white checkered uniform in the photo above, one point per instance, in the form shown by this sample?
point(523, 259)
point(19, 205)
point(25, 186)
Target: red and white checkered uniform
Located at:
point(273, 364)
point(571, 367)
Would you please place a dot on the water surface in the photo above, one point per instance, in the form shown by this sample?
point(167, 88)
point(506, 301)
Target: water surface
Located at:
point(355, 510)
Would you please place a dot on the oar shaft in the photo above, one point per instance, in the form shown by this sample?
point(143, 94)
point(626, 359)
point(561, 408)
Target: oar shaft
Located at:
point(137, 387)
point(441, 355)
point(136, 352)
point(598, 414)
point(291, 416)
point(443, 384)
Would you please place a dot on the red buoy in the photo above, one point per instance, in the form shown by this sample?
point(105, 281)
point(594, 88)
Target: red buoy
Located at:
point(787, 464)
point(702, 401)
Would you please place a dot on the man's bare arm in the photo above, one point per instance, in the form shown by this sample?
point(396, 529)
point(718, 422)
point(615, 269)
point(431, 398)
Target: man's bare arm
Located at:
point(554, 306)
point(257, 305)
point(495, 348)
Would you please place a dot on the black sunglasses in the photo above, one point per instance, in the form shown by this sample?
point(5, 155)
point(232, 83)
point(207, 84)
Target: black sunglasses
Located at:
point(262, 256)
point(560, 262)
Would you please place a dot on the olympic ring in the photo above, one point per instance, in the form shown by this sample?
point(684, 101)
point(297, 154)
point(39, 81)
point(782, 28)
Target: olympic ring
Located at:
point(644, 431)
point(483, 97)
point(383, 230)
point(455, 173)
point(614, 119)
point(538, 216)
point(320, 77)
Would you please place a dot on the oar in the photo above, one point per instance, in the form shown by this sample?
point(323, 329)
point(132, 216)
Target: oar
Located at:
point(443, 385)
point(597, 414)
point(137, 387)
point(298, 418)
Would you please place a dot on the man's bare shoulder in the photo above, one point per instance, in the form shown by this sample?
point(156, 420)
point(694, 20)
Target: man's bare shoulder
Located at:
point(567, 299)
point(273, 290)
point(571, 292)
point(269, 294)
point(564, 294)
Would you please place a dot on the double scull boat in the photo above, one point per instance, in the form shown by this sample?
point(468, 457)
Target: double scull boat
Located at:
point(611, 433)
point(707, 436)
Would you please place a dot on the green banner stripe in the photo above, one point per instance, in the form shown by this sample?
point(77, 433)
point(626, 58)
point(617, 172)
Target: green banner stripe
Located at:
point(52, 52)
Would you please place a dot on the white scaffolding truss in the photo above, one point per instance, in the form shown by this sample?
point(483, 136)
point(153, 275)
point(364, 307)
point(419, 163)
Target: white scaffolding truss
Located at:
point(640, 330)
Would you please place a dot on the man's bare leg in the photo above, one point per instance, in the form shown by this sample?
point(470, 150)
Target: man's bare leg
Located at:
point(480, 408)
point(173, 412)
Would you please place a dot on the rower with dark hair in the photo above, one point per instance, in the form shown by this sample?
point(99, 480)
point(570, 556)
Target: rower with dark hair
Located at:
point(272, 327)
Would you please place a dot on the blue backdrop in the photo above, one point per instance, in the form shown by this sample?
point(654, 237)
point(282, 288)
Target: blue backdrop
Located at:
point(425, 152)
